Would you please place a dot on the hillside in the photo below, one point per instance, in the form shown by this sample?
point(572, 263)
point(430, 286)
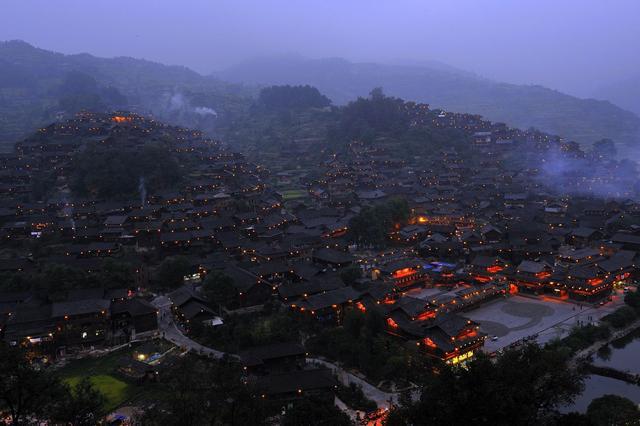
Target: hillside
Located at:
point(625, 93)
point(38, 86)
point(584, 120)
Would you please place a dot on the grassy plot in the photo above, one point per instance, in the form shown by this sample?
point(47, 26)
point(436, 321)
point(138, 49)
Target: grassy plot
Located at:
point(102, 373)
point(114, 390)
point(294, 194)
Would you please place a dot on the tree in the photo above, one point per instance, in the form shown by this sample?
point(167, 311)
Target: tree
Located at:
point(573, 419)
point(354, 321)
point(605, 148)
point(25, 391)
point(372, 224)
point(351, 274)
point(172, 270)
point(621, 317)
point(82, 406)
point(218, 289)
point(632, 299)
point(203, 392)
point(375, 320)
point(611, 410)
point(110, 172)
point(292, 97)
point(523, 386)
point(365, 118)
point(115, 274)
point(312, 411)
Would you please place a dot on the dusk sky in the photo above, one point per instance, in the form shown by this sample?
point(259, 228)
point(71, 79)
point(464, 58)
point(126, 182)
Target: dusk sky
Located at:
point(573, 45)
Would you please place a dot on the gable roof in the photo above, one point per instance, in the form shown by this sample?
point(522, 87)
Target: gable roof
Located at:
point(330, 298)
point(259, 354)
point(294, 381)
point(79, 307)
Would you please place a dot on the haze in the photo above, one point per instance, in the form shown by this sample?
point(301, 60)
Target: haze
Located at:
point(573, 46)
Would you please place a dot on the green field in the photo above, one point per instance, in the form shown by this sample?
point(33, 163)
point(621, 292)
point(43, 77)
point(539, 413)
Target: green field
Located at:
point(293, 194)
point(114, 390)
point(102, 373)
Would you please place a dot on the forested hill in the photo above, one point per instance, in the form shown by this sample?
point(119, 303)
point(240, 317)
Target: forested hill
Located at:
point(583, 120)
point(625, 92)
point(38, 86)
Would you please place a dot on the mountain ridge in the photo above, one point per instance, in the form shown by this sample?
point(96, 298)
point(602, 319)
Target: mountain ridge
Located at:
point(30, 76)
point(524, 106)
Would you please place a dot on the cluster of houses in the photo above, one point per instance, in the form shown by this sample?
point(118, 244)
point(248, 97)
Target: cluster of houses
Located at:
point(479, 227)
point(85, 318)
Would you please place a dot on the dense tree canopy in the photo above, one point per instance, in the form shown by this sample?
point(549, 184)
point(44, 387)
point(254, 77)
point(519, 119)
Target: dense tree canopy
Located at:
point(80, 91)
point(613, 410)
point(605, 148)
point(117, 173)
point(219, 290)
point(83, 404)
point(171, 272)
point(55, 280)
point(315, 412)
point(366, 118)
point(372, 225)
point(201, 392)
point(27, 392)
point(523, 386)
point(292, 97)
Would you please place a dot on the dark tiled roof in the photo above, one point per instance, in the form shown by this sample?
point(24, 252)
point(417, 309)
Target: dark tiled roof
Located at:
point(332, 256)
point(183, 294)
point(134, 307)
point(193, 308)
point(330, 298)
point(79, 307)
point(260, 354)
point(294, 381)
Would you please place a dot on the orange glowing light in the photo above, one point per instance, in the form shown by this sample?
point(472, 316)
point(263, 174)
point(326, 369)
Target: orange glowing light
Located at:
point(404, 272)
point(121, 119)
point(494, 269)
point(595, 281)
point(392, 323)
point(427, 315)
point(429, 342)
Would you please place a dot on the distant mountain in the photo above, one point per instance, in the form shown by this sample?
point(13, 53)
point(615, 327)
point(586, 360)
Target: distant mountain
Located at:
point(583, 120)
point(624, 93)
point(38, 86)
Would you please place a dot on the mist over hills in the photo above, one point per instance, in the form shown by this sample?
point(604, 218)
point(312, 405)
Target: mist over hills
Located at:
point(583, 120)
point(625, 93)
point(38, 86)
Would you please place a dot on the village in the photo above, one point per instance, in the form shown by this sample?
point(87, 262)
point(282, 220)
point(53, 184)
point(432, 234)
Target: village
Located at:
point(462, 251)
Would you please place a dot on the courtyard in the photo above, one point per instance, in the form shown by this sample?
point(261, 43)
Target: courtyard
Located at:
point(516, 318)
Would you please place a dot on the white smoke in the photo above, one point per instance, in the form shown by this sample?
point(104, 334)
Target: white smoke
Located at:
point(177, 102)
point(205, 111)
point(68, 212)
point(142, 188)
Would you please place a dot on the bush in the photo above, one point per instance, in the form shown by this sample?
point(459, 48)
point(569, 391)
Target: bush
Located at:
point(583, 337)
point(633, 299)
point(353, 396)
point(621, 317)
point(613, 410)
